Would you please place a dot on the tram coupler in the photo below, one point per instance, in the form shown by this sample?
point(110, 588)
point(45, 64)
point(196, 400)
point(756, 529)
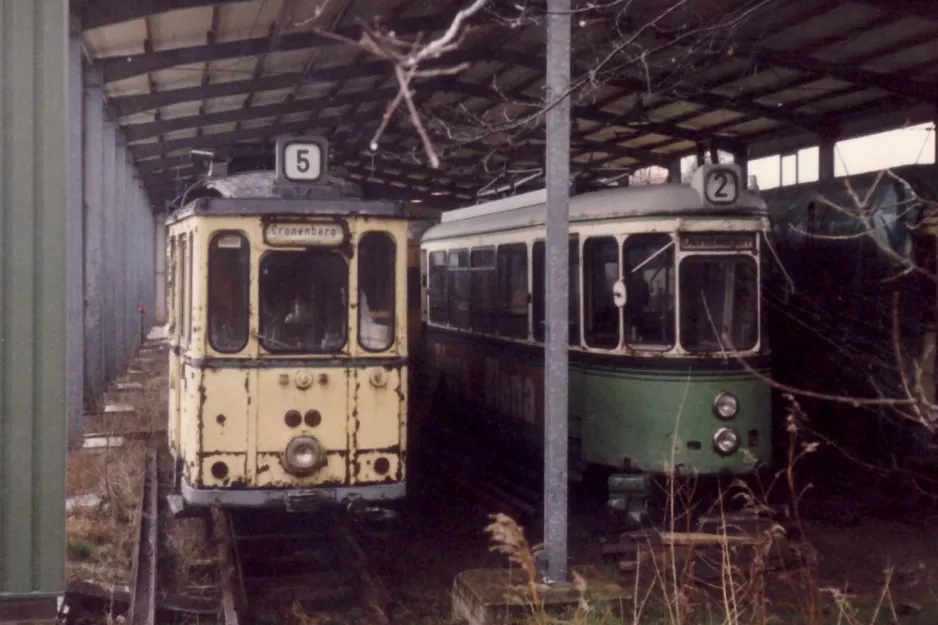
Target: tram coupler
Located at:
point(374, 519)
point(628, 498)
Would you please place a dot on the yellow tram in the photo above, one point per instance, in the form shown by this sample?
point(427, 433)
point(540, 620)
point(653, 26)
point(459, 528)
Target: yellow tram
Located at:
point(289, 339)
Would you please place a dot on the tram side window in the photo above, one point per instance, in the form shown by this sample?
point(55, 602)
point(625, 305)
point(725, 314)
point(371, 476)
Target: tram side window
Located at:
point(303, 302)
point(457, 287)
point(172, 303)
point(719, 295)
point(376, 262)
point(183, 290)
point(229, 275)
point(600, 272)
point(539, 293)
point(189, 261)
point(483, 289)
point(439, 308)
point(649, 274)
point(512, 290)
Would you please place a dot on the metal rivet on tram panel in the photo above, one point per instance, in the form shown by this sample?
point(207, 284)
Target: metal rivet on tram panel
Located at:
point(378, 378)
point(284, 379)
point(323, 378)
point(304, 379)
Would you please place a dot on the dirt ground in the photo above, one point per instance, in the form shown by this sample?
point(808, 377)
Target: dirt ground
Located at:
point(862, 548)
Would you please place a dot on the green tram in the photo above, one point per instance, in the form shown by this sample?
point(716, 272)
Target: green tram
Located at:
point(665, 306)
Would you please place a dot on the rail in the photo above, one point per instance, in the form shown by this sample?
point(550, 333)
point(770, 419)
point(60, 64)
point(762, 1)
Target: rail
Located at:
point(269, 562)
point(142, 609)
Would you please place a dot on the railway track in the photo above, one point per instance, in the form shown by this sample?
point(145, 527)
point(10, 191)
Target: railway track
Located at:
point(143, 592)
point(270, 563)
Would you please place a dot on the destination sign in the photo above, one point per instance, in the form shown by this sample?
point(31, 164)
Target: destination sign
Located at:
point(718, 241)
point(303, 234)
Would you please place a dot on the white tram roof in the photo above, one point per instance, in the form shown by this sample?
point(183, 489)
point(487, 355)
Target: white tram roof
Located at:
point(529, 209)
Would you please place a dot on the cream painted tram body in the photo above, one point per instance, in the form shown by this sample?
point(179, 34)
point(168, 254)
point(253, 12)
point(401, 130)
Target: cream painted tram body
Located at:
point(288, 368)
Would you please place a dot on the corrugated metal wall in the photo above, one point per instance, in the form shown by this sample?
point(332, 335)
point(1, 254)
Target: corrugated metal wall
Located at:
point(120, 248)
point(35, 227)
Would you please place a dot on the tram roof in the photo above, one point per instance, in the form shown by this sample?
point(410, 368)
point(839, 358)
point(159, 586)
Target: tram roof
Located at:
point(763, 76)
point(256, 193)
point(645, 201)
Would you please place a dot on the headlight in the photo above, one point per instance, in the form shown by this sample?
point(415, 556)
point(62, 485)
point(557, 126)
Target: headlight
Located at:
point(725, 405)
point(725, 441)
point(303, 455)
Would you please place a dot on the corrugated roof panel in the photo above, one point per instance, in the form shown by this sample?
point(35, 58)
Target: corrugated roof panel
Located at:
point(119, 39)
point(262, 98)
point(757, 82)
point(847, 101)
point(255, 123)
point(138, 118)
point(885, 35)
point(793, 96)
point(215, 129)
point(129, 86)
point(227, 70)
point(295, 117)
point(815, 27)
point(180, 29)
point(480, 72)
point(672, 109)
point(183, 109)
point(286, 62)
point(230, 103)
point(246, 20)
point(753, 126)
point(177, 78)
point(904, 60)
point(179, 134)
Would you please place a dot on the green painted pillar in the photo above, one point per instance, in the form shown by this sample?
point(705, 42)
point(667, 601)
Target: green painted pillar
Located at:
point(34, 239)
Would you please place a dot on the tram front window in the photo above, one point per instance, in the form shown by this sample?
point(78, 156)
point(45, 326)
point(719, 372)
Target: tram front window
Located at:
point(303, 302)
point(719, 295)
point(649, 274)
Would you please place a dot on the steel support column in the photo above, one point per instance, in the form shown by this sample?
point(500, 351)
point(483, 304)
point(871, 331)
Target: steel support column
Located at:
point(674, 171)
point(826, 158)
point(557, 313)
point(94, 234)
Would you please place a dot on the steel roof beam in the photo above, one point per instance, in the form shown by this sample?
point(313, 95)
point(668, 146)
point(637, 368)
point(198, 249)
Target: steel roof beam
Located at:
point(710, 100)
point(137, 103)
point(896, 83)
point(120, 67)
point(136, 132)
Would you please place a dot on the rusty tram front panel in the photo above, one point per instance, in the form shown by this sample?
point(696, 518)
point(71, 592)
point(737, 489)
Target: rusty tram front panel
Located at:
point(289, 351)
